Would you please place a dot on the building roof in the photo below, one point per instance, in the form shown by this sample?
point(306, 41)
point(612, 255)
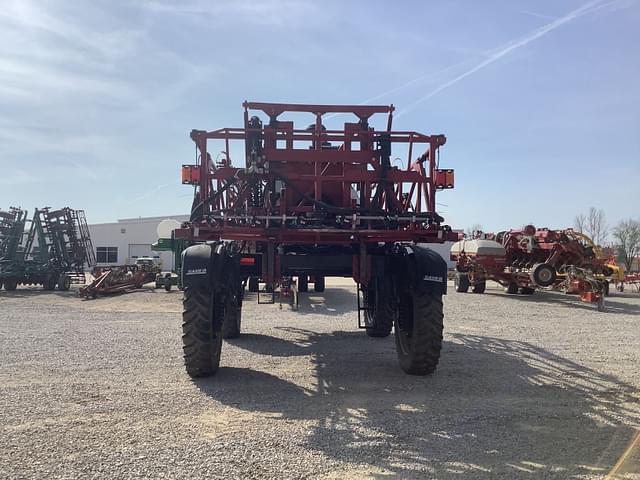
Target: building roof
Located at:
point(179, 218)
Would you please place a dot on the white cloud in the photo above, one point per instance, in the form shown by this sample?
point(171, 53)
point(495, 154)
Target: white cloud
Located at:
point(265, 12)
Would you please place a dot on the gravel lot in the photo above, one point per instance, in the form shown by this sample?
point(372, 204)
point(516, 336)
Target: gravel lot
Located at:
point(527, 387)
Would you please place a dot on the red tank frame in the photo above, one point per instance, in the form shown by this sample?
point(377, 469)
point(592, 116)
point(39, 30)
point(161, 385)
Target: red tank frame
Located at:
point(297, 186)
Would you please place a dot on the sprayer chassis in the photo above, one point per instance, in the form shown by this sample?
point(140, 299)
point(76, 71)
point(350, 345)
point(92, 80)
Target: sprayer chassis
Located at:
point(314, 203)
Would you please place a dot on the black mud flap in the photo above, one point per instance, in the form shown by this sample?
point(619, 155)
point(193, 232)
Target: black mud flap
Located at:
point(210, 265)
point(197, 263)
point(421, 268)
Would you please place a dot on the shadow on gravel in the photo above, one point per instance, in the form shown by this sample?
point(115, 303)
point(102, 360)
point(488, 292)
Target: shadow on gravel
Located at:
point(333, 301)
point(494, 407)
point(572, 301)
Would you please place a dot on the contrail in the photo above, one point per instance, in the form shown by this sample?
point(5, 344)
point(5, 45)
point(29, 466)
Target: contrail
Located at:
point(415, 80)
point(421, 78)
point(511, 46)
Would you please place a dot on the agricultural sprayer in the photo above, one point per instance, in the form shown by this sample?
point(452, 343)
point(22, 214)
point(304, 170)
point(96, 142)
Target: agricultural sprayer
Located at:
point(309, 203)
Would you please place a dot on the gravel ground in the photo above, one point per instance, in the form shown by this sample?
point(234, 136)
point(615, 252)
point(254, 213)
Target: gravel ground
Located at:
point(527, 387)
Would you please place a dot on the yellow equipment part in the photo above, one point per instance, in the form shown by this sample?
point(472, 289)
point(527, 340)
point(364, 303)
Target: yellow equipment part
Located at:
point(617, 274)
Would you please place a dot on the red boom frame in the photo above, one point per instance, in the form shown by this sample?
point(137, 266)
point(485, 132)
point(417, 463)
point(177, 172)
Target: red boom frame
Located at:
point(289, 194)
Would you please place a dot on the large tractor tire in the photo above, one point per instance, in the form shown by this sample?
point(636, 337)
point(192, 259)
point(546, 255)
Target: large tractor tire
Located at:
point(543, 275)
point(380, 306)
point(318, 285)
point(254, 284)
point(202, 320)
point(418, 332)
point(64, 282)
point(479, 287)
point(303, 283)
point(512, 288)
point(461, 282)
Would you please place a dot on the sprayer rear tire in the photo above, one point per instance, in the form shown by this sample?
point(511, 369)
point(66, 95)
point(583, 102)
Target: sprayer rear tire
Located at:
point(418, 332)
point(303, 283)
point(232, 321)
point(232, 316)
point(201, 332)
point(461, 282)
point(380, 309)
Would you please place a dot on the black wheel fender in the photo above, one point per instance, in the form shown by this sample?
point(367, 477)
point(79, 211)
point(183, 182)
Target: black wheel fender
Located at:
point(197, 262)
point(421, 269)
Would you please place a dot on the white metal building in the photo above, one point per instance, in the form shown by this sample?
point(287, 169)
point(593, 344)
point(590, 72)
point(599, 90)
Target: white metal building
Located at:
point(122, 242)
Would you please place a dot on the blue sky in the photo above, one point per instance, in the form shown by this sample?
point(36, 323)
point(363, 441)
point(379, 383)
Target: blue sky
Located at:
point(540, 100)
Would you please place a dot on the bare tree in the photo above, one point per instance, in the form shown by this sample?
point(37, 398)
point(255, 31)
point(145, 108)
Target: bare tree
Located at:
point(471, 231)
point(627, 234)
point(596, 226)
point(580, 222)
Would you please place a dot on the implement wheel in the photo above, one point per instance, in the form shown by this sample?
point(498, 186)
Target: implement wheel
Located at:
point(479, 287)
point(512, 288)
point(380, 308)
point(461, 282)
point(543, 275)
point(50, 282)
point(64, 282)
point(418, 332)
point(254, 284)
point(202, 319)
point(318, 285)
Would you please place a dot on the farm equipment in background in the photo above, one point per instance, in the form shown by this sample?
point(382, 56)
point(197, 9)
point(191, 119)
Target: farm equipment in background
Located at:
point(12, 223)
point(120, 279)
point(523, 260)
point(53, 252)
point(166, 280)
point(315, 202)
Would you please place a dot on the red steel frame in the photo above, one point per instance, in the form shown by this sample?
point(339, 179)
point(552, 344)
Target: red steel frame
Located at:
point(404, 209)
